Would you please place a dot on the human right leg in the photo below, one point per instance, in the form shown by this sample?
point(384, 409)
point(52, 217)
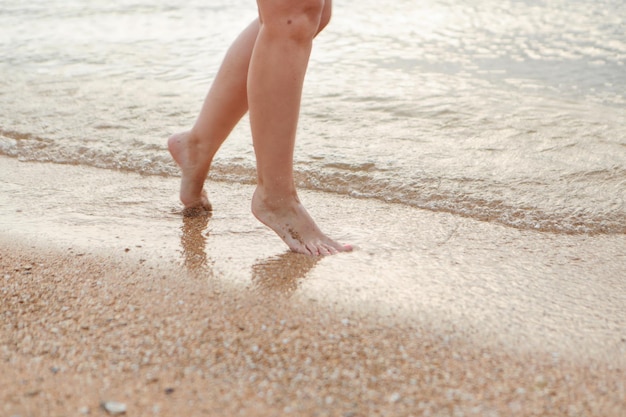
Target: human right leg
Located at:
point(224, 106)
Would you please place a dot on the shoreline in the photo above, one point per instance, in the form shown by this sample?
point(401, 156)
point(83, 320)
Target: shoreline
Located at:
point(110, 295)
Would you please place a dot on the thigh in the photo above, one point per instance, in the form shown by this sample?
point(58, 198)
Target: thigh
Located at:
point(326, 14)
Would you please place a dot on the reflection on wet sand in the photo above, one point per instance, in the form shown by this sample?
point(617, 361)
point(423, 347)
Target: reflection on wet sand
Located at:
point(282, 274)
point(193, 241)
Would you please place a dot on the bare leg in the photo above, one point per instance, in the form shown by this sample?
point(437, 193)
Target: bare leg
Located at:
point(224, 106)
point(275, 79)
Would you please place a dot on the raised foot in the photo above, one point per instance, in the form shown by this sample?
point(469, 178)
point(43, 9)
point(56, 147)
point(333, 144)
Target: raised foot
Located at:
point(293, 224)
point(186, 152)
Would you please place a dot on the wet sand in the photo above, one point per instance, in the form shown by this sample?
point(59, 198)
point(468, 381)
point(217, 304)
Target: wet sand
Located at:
point(109, 294)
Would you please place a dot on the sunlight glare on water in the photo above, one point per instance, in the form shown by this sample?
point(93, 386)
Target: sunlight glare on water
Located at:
point(505, 111)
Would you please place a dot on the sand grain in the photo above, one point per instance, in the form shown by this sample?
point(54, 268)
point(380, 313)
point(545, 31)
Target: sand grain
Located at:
point(80, 329)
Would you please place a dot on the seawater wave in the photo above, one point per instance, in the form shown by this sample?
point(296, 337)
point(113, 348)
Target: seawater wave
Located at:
point(511, 112)
point(437, 194)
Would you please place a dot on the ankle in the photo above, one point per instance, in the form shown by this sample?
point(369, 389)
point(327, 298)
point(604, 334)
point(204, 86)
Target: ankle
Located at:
point(202, 143)
point(194, 140)
point(275, 198)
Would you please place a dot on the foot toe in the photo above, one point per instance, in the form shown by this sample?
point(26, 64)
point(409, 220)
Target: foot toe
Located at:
point(325, 250)
point(329, 250)
point(313, 249)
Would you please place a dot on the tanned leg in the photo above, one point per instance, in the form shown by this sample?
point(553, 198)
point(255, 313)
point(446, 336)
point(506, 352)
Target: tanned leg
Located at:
point(224, 106)
point(277, 206)
point(275, 79)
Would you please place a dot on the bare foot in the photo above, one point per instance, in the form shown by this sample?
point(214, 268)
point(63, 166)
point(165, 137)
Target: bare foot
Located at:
point(187, 153)
point(292, 223)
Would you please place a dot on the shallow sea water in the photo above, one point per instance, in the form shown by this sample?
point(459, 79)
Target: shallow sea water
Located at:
point(511, 112)
point(520, 290)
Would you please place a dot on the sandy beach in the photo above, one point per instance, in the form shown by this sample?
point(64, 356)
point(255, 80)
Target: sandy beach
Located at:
point(109, 295)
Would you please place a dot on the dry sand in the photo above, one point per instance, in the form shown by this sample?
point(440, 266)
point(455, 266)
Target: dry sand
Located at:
point(108, 294)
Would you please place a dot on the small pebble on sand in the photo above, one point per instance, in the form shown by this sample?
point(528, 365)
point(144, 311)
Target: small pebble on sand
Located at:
point(114, 408)
point(394, 398)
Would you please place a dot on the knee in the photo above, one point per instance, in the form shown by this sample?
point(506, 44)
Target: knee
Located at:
point(297, 20)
